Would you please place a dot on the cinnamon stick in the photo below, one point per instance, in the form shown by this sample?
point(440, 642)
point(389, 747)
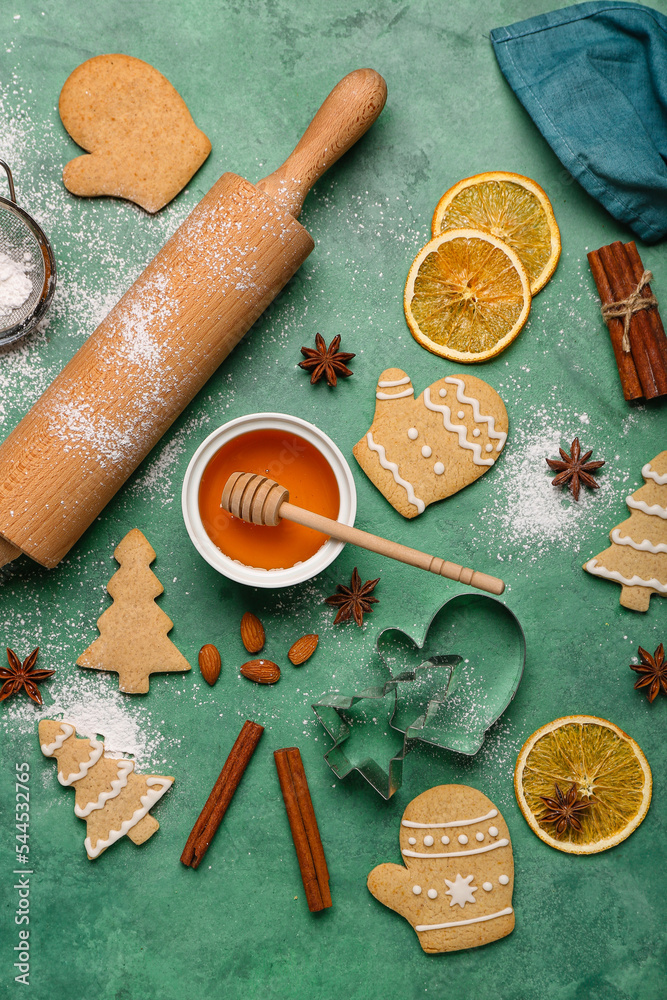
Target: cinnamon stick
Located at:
point(303, 825)
point(632, 390)
point(221, 795)
point(617, 266)
point(653, 315)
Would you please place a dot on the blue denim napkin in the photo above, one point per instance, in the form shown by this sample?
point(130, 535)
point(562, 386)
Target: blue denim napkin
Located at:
point(593, 77)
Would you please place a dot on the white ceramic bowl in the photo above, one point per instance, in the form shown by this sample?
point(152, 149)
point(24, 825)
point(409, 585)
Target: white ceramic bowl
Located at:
point(250, 575)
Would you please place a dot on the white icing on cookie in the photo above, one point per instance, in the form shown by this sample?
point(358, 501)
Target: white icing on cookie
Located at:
point(389, 382)
point(493, 831)
point(451, 823)
point(417, 889)
point(413, 433)
point(48, 749)
point(479, 836)
point(426, 451)
point(503, 879)
point(147, 802)
point(461, 891)
point(648, 473)
point(479, 417)
point(644, 546)
point(438, 468)
point(462, 839)
point(634, 581)
point(487, 886)
point(412, 840)
point(442, 393)
point(459, 923)
point(432, 893)
point(458, 429)
point(395, 395)
point(117, 784)
point(457, 854)
point(96, 750)
point(654, 509)
point(393, 468)
point(445, 839)
point(460, 414)
point(428, 841)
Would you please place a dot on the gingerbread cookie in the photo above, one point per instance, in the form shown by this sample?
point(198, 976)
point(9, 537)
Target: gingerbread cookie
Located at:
point(456, 887)
point(142, 142)
point(421, 450)
point(637, 557)
point(111, 796)
point(133, 639)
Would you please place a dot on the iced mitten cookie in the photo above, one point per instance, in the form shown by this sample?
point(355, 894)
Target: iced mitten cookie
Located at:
point(421, 450)
point(637, 556)
point(456, 886)
point(112, 798)
point(142, 142)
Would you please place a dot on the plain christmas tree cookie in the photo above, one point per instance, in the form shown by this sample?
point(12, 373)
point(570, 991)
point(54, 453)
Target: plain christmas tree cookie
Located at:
point(421, 450)
point(637, 556)
point(133, 638)
point(455, 884)
point(142, 142)
point(111, 796)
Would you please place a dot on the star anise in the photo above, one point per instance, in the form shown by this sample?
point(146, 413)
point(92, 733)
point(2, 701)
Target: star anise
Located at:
point(327, 361)
point(564, 810)
point(574, 469)
point(652, 670)
point(354, 600)
point(22, 675)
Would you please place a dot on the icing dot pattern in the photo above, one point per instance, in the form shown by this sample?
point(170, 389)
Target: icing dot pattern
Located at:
point(479, 836)
point(445, 839)
point(428, 841)
point(438, 468)
point(493, 831)
point(487, 886)
point(503, 879)
point(432, 893)
point(412, 840)
point(462, 838)
point(413, 433)
point(426, 451)
point(417, 889)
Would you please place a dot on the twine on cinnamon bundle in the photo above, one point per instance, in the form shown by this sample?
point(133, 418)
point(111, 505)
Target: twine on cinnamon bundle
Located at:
point(625, 308)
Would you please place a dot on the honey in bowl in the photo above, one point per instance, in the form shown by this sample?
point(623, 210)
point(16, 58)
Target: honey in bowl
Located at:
point(294, 463)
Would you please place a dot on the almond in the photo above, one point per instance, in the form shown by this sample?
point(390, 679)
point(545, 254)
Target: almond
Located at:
point(303, 649)
point(261, 671)
point(252, 632)
point(209, 663)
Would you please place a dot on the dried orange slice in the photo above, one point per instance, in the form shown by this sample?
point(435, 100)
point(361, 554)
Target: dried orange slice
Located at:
point(511, 207)
point(467, 296)
point(608, 769)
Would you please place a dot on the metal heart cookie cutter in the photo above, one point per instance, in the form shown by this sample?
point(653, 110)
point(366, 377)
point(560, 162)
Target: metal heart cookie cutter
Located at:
point(449, 700)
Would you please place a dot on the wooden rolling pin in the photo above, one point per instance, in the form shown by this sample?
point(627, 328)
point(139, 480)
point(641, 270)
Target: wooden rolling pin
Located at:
point(262, 501)
point(157, 347)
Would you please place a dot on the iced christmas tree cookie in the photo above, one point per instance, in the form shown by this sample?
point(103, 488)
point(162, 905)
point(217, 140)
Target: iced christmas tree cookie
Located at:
point(456, 887)
point(133, 638)
point(637, 556)
point(421, 450)
point(112, 798)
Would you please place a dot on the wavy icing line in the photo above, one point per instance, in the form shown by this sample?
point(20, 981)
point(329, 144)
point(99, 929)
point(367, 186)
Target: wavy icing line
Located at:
point(96, 750)
point(457, 854)
point(117, 785)
point(644, 546)
point(648, 473)
point(394, 395)
point(459, 429)
point(613, 574)
point(459, 923)
point(396, 381)
point(654, 509)
point(393, 468)
point(442, 826)
point(501, 436)
point(48, 749)
point(147, 802)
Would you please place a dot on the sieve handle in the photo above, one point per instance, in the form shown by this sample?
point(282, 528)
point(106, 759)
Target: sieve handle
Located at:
point(10, 180)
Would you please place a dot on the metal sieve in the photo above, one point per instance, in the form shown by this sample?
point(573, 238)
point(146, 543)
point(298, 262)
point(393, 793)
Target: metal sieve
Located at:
point(22, 240)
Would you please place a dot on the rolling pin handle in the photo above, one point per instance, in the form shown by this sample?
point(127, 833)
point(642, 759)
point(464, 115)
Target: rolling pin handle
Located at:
point(347, 113)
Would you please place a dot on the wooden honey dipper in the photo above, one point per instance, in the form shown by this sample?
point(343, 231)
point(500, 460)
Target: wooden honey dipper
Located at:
point(262, 501)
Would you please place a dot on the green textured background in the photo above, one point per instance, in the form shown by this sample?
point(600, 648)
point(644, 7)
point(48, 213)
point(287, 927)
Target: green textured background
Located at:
point(135, 923)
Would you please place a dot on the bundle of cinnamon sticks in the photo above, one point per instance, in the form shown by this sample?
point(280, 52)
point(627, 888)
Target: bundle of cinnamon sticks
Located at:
point(631, 314)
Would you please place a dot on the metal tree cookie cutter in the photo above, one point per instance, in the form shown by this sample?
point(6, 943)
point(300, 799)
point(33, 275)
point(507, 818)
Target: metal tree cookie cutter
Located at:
point(24, 242)
point(448, 700)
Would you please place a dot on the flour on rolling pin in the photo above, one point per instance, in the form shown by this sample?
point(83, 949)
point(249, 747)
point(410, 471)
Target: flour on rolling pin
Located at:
point(158, 346)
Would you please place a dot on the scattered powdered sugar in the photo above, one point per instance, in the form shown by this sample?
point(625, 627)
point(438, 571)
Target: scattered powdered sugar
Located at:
point(15, 285)
point(88, 701)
